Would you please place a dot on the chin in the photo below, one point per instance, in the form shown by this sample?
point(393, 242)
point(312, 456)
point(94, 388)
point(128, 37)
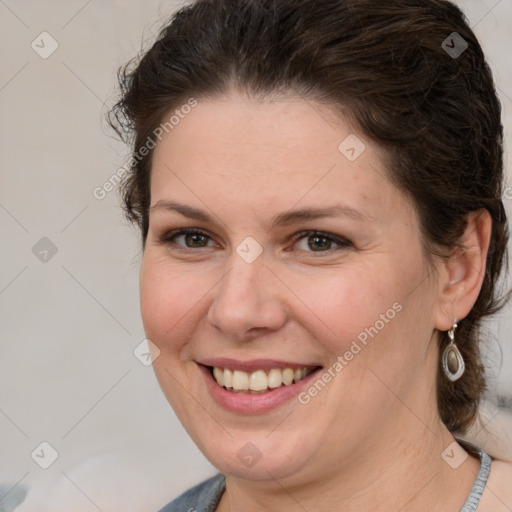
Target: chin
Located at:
point(258, 456)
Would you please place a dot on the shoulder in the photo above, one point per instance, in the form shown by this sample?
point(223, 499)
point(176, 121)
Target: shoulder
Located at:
point(497, 495)
point(204, 497)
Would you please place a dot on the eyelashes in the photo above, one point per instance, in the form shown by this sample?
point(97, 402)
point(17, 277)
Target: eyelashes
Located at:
point(169, 238)
point(199, 239)
point(342, 243)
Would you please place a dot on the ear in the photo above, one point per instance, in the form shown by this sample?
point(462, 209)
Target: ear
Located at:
point(462, 275)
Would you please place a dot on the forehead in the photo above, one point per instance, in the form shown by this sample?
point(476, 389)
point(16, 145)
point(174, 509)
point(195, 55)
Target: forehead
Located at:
point(238, 151)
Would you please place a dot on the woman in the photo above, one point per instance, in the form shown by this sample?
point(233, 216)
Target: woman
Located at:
point(318, 188)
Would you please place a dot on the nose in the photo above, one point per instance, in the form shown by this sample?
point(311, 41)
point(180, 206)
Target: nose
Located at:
point(247, 304)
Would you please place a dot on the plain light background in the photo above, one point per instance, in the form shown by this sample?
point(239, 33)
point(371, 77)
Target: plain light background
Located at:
point(69, 325)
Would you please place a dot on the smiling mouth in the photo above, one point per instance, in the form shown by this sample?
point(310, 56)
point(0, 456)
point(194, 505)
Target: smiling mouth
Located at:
point(259, 381)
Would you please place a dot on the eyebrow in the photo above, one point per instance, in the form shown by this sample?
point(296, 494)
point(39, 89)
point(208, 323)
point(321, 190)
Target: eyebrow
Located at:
point(283, 219)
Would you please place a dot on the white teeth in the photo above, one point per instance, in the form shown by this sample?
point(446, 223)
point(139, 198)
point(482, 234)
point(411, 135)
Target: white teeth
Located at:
point(275, 378)
point(259, 380)
point(297, 375)
point(240, 381)
point(228, 378)
point(219, 375)
point(287, 376)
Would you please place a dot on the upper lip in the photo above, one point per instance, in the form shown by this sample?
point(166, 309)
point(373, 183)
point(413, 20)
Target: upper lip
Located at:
point(253, 364)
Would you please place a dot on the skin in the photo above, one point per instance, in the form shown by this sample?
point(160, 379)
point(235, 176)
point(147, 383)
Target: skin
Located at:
point(372, 438)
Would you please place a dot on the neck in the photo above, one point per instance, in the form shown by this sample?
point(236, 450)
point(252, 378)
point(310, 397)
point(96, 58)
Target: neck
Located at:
point(407, 474)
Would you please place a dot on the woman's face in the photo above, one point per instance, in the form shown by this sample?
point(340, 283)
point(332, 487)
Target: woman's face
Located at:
point(306, 264)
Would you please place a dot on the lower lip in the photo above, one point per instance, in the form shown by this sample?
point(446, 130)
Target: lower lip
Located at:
point(257, 403)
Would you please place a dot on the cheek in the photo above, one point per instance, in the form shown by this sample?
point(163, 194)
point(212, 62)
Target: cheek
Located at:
point(169, 302)
point(342, 303)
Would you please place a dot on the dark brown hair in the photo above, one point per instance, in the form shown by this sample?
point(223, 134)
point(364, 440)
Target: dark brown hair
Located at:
point(401, 73)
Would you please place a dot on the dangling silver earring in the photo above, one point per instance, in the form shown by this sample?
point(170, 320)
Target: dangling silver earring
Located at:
point(453, 363)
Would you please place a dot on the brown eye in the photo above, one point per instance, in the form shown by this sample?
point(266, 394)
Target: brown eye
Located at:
point(314, 241)
point(194, 239)
point(187, 239)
